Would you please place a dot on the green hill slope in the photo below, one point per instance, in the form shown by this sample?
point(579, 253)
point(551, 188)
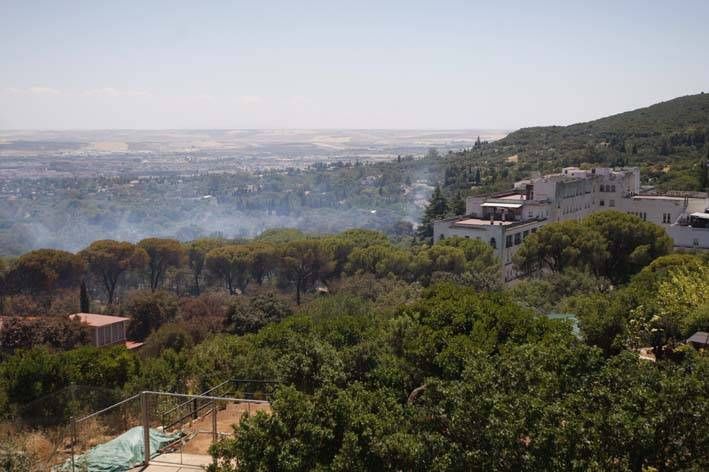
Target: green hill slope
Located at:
point(667, 140)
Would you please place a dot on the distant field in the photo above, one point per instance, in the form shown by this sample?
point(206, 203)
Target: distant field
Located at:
point(28, 154)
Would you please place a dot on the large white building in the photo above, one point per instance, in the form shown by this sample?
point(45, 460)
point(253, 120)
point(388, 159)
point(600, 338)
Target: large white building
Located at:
point(505, 219)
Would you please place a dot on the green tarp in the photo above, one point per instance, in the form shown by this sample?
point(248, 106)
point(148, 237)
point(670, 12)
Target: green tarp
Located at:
point(121, 453)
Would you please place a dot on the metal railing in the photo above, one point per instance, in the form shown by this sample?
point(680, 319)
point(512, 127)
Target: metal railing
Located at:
point(181, 414)
point(191, 409)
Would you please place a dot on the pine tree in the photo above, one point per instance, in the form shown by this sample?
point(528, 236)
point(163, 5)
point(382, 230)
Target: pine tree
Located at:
point(85, 306)
point(457, 205)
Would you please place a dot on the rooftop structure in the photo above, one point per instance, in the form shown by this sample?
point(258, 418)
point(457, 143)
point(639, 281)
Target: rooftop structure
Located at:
point(505, 219)
point(700, 339)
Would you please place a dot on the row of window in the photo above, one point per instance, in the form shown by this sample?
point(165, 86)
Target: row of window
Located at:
point(576, 193)
point(568, 210)
point(514, 239)
point(110, 334)
point(667, 218)
point(607, 188)
point(640, 214)
point(511, 239)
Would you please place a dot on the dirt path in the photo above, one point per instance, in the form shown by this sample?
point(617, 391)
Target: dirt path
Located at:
point(226, 419)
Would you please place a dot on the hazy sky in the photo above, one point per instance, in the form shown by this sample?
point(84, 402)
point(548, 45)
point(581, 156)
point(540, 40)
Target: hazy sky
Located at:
point(335, 64)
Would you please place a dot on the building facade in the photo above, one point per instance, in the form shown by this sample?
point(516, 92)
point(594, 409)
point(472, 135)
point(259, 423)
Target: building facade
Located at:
point(106, 330)
point(505, 219)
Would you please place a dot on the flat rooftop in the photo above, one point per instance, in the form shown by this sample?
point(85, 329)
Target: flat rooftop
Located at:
point(657, 197)
point(516, 196)
point(95, 320)
point(481, 222)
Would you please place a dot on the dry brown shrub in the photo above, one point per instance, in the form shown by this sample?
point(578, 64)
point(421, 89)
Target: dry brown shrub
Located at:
point(23, 305)
point(65, 302)
point(90, 433)
point(39, 446)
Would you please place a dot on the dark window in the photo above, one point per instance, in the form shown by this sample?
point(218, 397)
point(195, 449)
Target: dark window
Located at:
point(493, 243)
point(508, 241)
point(518, 238)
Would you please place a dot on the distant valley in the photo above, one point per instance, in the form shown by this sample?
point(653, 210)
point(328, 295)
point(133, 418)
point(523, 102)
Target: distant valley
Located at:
point(60, 154)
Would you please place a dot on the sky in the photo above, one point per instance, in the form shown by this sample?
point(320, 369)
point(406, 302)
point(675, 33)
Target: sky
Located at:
point(335, 64)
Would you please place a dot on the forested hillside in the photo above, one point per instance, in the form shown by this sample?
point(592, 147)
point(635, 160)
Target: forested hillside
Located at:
point(669, 141)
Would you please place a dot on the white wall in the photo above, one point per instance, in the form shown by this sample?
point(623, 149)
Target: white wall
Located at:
point(688, 237)
point(652, 209)
point(482, 232)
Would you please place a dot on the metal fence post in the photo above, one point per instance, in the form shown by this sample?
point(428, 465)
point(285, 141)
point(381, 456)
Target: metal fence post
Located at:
point(73, 439)
point(146, 428)
point(214, 422)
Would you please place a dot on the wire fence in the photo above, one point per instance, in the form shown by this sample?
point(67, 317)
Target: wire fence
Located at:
point(39, 432)
point(57, 408)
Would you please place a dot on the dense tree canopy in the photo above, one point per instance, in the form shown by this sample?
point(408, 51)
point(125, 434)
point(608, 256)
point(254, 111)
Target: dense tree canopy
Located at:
point(56, 332)
point(107, 260)
point(558, 246)
point(304, 263)
point(609, 243)
point(43, 270)
point(660, 307)
point(148, 311)
point(396, 355)
point(162, 254)
point(461, 381)
point(249, 317)
point(197, 256)
point(232, 265)
point(631, 242)
point(263, 261)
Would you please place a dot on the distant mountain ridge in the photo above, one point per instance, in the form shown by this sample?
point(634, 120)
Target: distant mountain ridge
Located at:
point(675, 115)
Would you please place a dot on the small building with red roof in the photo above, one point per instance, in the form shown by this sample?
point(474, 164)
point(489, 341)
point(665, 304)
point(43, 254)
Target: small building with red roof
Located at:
point(106, 330)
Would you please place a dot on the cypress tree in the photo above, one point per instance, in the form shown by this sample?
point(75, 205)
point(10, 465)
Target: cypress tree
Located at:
point(437, 209)
point(457, 205)
point(704, 172)
point(85, 306)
